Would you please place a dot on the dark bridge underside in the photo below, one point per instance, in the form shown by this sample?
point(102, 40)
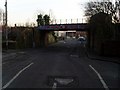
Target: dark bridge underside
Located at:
point(65, 27)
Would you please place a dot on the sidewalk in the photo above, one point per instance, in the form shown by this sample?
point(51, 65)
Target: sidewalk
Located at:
point(10, 53)
point(94, 56)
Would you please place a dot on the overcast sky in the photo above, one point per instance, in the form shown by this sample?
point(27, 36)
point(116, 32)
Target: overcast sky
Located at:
point(22, 11)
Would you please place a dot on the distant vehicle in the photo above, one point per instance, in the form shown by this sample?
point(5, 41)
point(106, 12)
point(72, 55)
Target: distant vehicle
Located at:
point(74, 37)
point(82, 40)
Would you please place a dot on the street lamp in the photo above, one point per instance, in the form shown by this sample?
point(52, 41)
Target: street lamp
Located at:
point(6, 24)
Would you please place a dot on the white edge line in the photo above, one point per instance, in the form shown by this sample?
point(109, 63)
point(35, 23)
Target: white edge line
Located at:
point(101, 79)
point(5, 86)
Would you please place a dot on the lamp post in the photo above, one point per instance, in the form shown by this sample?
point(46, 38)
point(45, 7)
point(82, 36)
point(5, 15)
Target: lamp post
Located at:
point(6, 24)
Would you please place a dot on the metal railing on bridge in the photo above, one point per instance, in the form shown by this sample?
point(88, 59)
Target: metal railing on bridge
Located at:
point(68, 21)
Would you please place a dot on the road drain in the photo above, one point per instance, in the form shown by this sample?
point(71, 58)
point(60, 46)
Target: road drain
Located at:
point(63, 81)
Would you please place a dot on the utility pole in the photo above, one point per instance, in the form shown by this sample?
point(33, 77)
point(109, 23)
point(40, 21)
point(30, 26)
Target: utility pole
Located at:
point(119, 10)
point(77, 20)
point(6, 24)
point(4, 18)
point(82, 20)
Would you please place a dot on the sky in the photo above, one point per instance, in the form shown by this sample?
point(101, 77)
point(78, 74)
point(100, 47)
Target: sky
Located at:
point(22, 11)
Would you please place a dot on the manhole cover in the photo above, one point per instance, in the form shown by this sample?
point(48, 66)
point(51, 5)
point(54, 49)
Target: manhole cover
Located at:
point(63, 81)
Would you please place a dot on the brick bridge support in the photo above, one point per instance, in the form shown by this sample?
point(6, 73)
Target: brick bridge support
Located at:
point(44, 38)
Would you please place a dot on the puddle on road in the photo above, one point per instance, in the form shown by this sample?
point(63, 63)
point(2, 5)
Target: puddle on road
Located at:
point(63, 81)
point(20, 52)
point(74, 55)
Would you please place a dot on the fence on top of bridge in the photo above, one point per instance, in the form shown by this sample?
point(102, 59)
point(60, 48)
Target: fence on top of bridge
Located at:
point(68, 21)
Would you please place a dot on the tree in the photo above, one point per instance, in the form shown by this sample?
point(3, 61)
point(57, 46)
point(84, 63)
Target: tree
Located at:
point(46, 19)
point(43, 20)
point(40, 20)
point(117, 9)
point(101, 30)
point(101, 25)
point(105, 6)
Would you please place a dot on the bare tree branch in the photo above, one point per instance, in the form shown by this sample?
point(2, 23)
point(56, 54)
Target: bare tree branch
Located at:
point(105, 6)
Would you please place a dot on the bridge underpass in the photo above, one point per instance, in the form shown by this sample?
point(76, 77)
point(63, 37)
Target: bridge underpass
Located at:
point(46, 29)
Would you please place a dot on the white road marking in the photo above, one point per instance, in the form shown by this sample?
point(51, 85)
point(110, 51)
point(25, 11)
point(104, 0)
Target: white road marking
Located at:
point(5, 86)
point(101, 79)
point(54, 86)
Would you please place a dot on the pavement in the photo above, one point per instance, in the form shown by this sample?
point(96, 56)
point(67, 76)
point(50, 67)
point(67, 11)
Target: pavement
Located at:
point(94, 56)
point(10, 54)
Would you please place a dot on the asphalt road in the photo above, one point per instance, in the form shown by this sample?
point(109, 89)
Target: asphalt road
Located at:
point(63, 64)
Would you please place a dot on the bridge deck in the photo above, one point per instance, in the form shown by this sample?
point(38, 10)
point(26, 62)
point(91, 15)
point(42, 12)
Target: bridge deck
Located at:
point(65, 27)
